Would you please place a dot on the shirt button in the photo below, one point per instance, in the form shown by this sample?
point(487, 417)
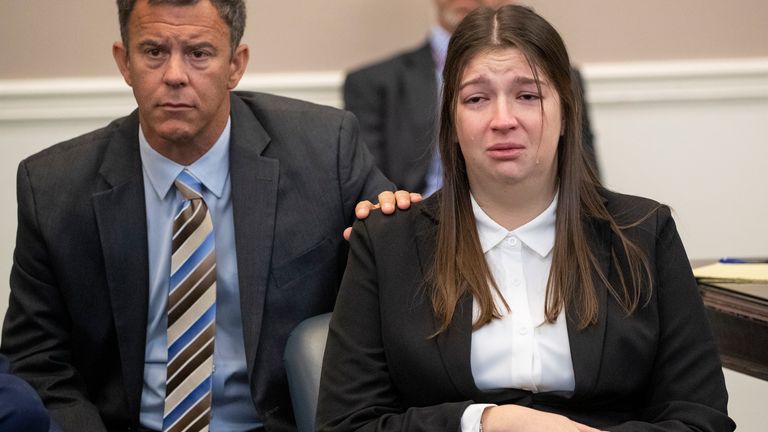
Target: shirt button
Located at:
point(512, 241)
point(516, 282)
point(523, 331)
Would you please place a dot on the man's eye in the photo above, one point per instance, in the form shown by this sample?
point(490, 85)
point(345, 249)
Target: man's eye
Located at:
point(198, 54)
point(153, 52)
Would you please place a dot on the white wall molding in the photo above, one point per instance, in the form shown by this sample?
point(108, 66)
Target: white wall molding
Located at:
point(104, 98)
point(677, 81)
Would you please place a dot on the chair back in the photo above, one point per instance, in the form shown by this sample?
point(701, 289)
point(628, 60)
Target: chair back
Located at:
point(303, 360)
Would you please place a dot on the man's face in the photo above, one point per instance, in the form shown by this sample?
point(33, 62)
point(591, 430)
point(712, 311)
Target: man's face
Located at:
point(451, 12)
point(181, 67)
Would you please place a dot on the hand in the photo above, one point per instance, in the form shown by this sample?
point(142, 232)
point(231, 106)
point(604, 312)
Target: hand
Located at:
point(387, 201)
point(522, 419)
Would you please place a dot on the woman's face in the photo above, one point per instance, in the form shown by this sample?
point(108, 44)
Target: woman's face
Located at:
point(504, 134)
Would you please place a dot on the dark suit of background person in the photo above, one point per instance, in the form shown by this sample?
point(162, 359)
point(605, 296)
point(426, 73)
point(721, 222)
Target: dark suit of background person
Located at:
point(658, 366)
point(20, 407)
point(396, 103)
point(76, 322)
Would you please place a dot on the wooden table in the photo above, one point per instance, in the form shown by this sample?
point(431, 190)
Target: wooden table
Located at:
point(739, 317)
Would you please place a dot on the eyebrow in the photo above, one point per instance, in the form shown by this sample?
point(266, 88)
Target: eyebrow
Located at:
point(149, 42)
point(153, 43)
point(521, 80)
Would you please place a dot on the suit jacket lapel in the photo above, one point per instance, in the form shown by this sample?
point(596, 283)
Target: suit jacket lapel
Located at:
point(254, 203)
point(121, 219)
point(587, 344)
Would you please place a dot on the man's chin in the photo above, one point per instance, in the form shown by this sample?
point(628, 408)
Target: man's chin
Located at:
point(176, 133)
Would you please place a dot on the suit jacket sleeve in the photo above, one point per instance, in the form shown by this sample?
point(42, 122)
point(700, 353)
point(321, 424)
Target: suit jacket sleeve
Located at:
point(359, 177)
point(355, 391)
point(687, 389)
point(37, 326)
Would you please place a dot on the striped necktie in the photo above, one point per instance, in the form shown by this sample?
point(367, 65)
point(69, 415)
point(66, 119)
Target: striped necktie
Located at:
point(191, 313)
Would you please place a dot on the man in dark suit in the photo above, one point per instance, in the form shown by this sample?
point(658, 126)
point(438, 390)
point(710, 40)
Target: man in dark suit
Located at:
point(278, 178)
point(396, 103)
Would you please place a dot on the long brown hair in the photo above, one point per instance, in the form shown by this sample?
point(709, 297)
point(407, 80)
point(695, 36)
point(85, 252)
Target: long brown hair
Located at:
point(459, 267)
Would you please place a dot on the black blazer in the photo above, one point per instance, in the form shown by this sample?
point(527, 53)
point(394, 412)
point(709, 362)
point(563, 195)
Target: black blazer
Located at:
point(656, 370)
point(396, 103)
point(76, 323)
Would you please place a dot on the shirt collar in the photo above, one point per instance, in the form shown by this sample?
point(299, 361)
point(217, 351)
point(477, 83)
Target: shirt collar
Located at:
point(538, 234)
point(211, 169)
point(438, 41)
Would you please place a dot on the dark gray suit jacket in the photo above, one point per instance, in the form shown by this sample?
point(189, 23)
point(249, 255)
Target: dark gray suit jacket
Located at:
point(396, 103)
point(657, 370)
point(76, 322)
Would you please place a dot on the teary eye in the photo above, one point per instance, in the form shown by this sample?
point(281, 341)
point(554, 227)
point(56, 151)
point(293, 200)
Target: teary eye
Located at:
point(530, 96)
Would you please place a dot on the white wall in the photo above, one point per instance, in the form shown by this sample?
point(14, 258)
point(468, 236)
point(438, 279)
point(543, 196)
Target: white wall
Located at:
point(690, 134)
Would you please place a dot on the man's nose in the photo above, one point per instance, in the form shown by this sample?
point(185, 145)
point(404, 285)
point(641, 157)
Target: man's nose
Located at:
point(175, 74)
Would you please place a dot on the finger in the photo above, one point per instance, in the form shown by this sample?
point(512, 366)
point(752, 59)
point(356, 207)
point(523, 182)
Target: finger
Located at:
point(415, 197)
point(584, 428)
point(347, 233)
point(363, 208)
point(403, 199)
point(387, 202)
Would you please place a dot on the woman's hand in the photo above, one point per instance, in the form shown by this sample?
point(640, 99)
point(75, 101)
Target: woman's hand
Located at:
point(521, 419)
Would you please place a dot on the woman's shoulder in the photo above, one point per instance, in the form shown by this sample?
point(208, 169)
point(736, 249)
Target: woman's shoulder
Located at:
point(420, 215)
point(632, 209)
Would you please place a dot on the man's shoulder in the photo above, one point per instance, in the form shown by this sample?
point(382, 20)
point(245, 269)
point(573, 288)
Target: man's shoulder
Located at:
point(388, 66)
point(270, 105)
point(290, 125)
point(81, 147)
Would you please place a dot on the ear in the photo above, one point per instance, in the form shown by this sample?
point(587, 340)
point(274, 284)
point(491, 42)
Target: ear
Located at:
point(237, 65)
point(120, 54)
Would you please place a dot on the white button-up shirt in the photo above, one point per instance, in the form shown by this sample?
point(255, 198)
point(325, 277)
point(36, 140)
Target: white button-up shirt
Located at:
point(520, 350)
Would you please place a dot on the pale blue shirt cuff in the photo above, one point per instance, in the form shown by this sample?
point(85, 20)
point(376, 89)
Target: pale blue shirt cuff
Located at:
point(470, 420)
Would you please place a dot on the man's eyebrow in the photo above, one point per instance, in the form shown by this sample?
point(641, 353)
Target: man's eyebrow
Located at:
point(199, 45)
point(149, 43)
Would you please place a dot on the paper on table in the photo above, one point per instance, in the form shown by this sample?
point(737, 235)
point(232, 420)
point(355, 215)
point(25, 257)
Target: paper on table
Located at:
point(720, 272)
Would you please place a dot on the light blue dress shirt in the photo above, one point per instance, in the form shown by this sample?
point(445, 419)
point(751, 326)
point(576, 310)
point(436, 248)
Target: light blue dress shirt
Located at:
point(233, 409)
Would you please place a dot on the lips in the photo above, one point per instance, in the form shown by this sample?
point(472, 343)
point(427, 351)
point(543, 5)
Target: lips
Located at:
point(505, 151)
point(175, 106)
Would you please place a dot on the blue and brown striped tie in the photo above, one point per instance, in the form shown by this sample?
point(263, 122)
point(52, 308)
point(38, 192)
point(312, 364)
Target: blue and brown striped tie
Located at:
point(191, 313)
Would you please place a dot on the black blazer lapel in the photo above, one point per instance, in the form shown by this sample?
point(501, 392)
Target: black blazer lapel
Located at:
point(122, 224)
point(587, 344)
point(254, 203)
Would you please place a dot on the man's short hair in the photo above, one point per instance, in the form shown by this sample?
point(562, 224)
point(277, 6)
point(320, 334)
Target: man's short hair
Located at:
point(231, 11)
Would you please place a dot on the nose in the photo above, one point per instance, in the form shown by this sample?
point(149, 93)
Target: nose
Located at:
point(175, 74)
point(504, 117)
